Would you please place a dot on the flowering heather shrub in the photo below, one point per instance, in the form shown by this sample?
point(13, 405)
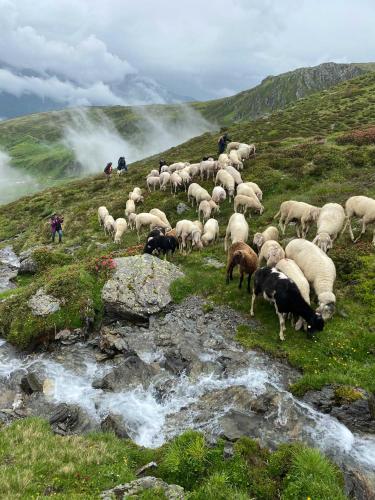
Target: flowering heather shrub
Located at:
point(358, 137)
point(104, 265)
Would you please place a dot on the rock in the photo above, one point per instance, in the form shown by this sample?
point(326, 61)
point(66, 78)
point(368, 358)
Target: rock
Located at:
point(42, 304)
point(68, 419)
point(236, 424)
point(131, 372)
point(139, 287)
point(34, 380)
point(68, 337)
point(371, 405)
point(358, 485)
point(181, 208)
point(210, 262)
point(176, 363)
point(228, 451)
point(9, 267)
point(150, 465)
point(114, 423)
point(110, 342)
point(138, 486)
point(28, 266)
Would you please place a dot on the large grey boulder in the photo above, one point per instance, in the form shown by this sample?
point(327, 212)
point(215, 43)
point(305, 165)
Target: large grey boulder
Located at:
point(138, 486)
point(9, 266)
point(42, 304)
point(139, 287)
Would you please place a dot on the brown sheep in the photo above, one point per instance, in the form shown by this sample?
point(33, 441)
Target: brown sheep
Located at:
point(244, 256)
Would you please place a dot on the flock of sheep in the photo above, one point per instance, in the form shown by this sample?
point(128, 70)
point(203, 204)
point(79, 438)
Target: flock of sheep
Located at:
point(289, 272)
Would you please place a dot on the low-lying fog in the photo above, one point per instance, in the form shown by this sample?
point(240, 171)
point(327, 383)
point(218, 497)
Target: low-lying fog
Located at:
point(14, 183)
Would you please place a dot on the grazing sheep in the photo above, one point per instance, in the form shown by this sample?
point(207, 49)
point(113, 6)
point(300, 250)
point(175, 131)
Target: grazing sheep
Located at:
point(302, 213)
point(160, 214)
point(232, 145)
point(256, 189)
point(175, 181)
point(200, 195)
point(199, 225)
point(235, 174)
point(154, 173)
point(109, 225)
point(245, 201)
point(177, 166)
point(129, 208)
point(246, 190)
point(270, 233)
point(185, 176)
point(218, 194)
point(207, 168)
point(245, 150)
point(210, 231)
point(237, 230)
point(131, 220)
point(271, 252)
point(164, 168)
point(360, 206)
point(206, 208)
point(102, 213)
point(137, 190)
point(145, 219)
point(319, 271)
point(284, 294)
point(240, 254)
point(121, 227)
point(191, 192)
point(161, 244)
point(330, 222)
point(153, 182)
point(223, 160)
point(136, 196)
point(157, 231)
point(194, 169)
point(164, 180)
point(226, 181)
point(188, 232)
point(235, 159)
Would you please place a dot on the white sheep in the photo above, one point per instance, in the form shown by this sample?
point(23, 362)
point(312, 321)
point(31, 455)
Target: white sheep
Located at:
point(235, 159)
point(206, 207)
point(240, 200)
point(136, 196)
point(146, 219)
point(153, 182)
point(302, 213)
point(191, 192)
point(237, 230)
point(175, 182)
point(200, 195)
point(233, 145)
point(161, 215)
point(256, 189)
point(109, 225)
point(208, 168)
point(218, 194)
point(194, 169)
point(226, 181)
point(129, 208)
point(102, 213)
point(246, 190)
point(164, 168)
point(271, 252)
point(234, 173)
point(131, 220)
point(188, 232)
point(137, 190)
point(270, 233)
point(199, 225)
point(121, 227)
point(223, 160)
point(330, 222)
point(210, 231)
point(185, 177)
point(164, 180)
point(177, 166)
point(360, 206)
point(319, 271)
point(154, 173)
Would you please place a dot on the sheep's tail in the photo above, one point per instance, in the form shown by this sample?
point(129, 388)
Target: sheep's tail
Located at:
point(277, 215)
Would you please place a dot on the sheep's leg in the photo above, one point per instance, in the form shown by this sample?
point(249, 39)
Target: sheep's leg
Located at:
point(351, 230)
point(281, 317)
point(241, 279)
point(252, 304)
point(299, 324)
point(363, 229)
point(248, 282)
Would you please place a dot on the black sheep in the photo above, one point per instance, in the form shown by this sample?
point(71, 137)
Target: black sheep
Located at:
point(286, 297)
point(161, 244)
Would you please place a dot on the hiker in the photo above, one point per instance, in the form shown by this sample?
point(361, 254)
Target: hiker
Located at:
point(222, 143)
point(121, 165)
point(56, 227)
point(108, 170)
point(161, 164)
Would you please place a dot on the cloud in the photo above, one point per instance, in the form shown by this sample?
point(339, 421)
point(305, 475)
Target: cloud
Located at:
point(13, 183)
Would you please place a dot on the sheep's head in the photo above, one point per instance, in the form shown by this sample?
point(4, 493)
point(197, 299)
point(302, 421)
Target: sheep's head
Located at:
point(258, 240)
point(275, 254)
point(323, 241)
point(327, 305)
point(316, 324)
point(261, 210)
point(314, 213)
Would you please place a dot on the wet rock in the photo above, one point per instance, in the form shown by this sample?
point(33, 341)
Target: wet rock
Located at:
point(130, 373)
point(114, 423)
point(68, 419)
point(68, 337)
point(42, 304)
point(236, 424)
point(359, 485)
point(9, 267)
point(228, 451)
point(181, 208)
point(176, 363)
point(34, 380)
point(371, 405)
point(111, 342)
point(139, 287)
point(138, 486)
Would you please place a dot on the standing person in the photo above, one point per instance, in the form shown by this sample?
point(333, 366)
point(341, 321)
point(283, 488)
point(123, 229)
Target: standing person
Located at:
point(222, 143)
point(161, 164)
point(108, 170)
point(121, 164)
point(56, 227)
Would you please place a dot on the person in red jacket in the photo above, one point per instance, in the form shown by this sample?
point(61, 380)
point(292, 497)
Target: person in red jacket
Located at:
point(56, 222)
point(108, 170)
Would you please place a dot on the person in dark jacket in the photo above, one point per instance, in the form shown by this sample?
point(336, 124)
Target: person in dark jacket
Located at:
point(161, 164)
point(108, 170)
point(222, 143)
point(56, 222)
point(121, 164)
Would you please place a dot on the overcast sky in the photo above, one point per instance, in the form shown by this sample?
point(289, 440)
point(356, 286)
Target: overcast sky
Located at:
point(79, 50)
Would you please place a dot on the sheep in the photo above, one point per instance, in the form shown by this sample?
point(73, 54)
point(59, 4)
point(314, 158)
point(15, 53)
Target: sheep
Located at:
point(188, 231)
point(303, 213)
point(199, 225)
point(246, 150)
point(185, 177)
point(218, 194)
point(136, 196)
point(154, 173)
point(200, 195)
point(223, 160)
point(109, 225)
point(330, 222)
point(157, 231)
point(235, 160)
point(245, 201)
point(102, 213)
point(175, 181)
point(232, 145)
point(237, 230)
point(281, 291)
point(160, 214)
point(129, 208)
point(255, 188)
point(146, 219)
point(206, 208)
point(271, 252)
point(235, 174)
point(153, 182)
point(210, 231)
point(191, 192)
point(164, 180)
point(131, 220)
point(164, 168)
point(177, 166)
point(194, 169)
point(162, 244)
point(208, 167)
point(137, 190)
point(226, 181)
point(246, 190)
point(360, 206)
point(121, 227)
point(270, 233)
point(319, 271)
point(242, 255)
